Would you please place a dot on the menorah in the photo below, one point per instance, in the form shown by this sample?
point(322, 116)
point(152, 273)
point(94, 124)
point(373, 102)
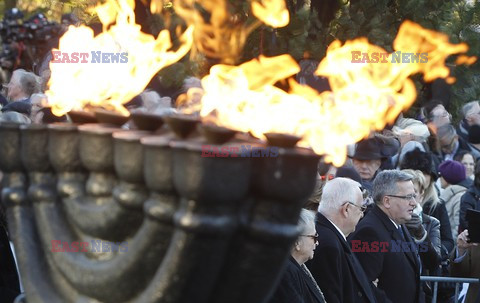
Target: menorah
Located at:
point(193, 228)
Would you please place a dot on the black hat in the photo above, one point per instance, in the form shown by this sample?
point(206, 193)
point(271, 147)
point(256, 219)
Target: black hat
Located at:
point(417, 159)
point(474, 134)
point(378, 147)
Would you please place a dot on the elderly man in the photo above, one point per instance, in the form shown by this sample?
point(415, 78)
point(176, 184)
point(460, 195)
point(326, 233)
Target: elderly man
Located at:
point(334, 267)
point(450, 144)
point(21, 86)
point(370, 154)
point(396, 270)
point(471, 116)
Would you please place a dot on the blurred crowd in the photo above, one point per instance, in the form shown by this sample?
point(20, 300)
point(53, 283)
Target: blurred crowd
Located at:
point(414, 184)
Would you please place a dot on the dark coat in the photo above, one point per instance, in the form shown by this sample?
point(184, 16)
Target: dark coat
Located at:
point(470, 200)
point(9, 282)
point(336, 269)
point(295, 286)
point(440, 212)
point(22, 106)
point(398, 273)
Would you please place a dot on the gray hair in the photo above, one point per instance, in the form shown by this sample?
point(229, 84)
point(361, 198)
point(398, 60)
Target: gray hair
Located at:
point(28, 81)
point(446, 131)
point(336, 192)
point(385, 183)
point(306, 217)
point(468, 107)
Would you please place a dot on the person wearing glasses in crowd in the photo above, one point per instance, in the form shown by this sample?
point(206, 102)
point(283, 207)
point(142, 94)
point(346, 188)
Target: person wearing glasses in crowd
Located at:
point(397, 272)
point(450, 143)
point(471, 116)
point(436, 114)
point(297, 284)
point(337, 271)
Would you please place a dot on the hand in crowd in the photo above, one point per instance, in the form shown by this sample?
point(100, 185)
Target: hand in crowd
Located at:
point(415, 227)
point(463, 244)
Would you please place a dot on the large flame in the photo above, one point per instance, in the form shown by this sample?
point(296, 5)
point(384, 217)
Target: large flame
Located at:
point(271, 12)
point(77, 85)
point(221, 36)
point(364, 97)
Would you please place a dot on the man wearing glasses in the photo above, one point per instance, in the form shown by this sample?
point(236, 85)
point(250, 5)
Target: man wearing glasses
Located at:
point(336, 270)
point(397, 273)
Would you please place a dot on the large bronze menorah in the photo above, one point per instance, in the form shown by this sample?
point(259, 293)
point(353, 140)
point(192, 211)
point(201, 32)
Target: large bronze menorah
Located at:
point(161, 222)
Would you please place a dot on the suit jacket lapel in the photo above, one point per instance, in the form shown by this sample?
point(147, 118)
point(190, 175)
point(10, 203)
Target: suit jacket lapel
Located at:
point(395, 234)
point(355, 266)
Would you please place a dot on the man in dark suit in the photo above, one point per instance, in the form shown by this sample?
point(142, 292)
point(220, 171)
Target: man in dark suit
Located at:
point(396, 270)
point(334, 267)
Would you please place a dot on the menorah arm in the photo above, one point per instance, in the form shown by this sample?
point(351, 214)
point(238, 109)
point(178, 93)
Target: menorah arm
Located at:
point(198, 246)
point(34, 270)
point(103, 218)
point(107, 280)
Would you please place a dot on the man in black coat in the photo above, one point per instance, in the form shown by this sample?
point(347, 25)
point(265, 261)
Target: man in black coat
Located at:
point(334, 267)
point(395, 267)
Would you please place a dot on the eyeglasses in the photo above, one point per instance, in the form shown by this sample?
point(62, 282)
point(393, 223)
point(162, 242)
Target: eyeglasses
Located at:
point(363, 208)
point(314, 237)
point(407, 197)
point(449, 145)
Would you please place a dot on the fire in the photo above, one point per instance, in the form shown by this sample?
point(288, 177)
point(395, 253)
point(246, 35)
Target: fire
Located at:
point(221, 36)
point(74, 86)
point(364, 96)
point(271, 12)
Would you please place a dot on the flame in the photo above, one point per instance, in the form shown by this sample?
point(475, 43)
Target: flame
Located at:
point(77, 85)
point(364, 96)
point(271, 12)
point(221, 36)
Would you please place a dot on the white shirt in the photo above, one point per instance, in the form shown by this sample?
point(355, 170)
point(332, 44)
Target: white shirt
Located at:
point(338, 229)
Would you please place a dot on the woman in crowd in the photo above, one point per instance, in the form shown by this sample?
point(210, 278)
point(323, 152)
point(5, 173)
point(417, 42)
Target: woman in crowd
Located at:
point(431, 203)
point(430, 267)
point(297, 284)
point(468, 161)
point(432, 206)
point(471, 199)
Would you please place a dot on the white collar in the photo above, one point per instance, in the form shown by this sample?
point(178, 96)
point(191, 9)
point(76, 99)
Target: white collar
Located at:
point(396, 225)
point(337, 229)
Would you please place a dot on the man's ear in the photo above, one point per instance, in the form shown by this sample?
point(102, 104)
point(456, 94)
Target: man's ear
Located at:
point(344, 210)
point(386, 202)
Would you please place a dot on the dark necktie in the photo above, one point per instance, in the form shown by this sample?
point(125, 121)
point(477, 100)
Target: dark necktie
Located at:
point(402, 235)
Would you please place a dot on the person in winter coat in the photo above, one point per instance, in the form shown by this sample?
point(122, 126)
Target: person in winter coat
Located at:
point(431, 203)
point(297, 284)
point(453, 179)
point(471, 198)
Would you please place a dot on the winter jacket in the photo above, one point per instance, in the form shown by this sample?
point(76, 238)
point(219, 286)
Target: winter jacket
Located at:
point(440, 212)
point(470, 200)
point(451, 197)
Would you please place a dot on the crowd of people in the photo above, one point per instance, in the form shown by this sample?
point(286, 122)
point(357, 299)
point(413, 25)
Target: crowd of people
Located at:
point(396, 210)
